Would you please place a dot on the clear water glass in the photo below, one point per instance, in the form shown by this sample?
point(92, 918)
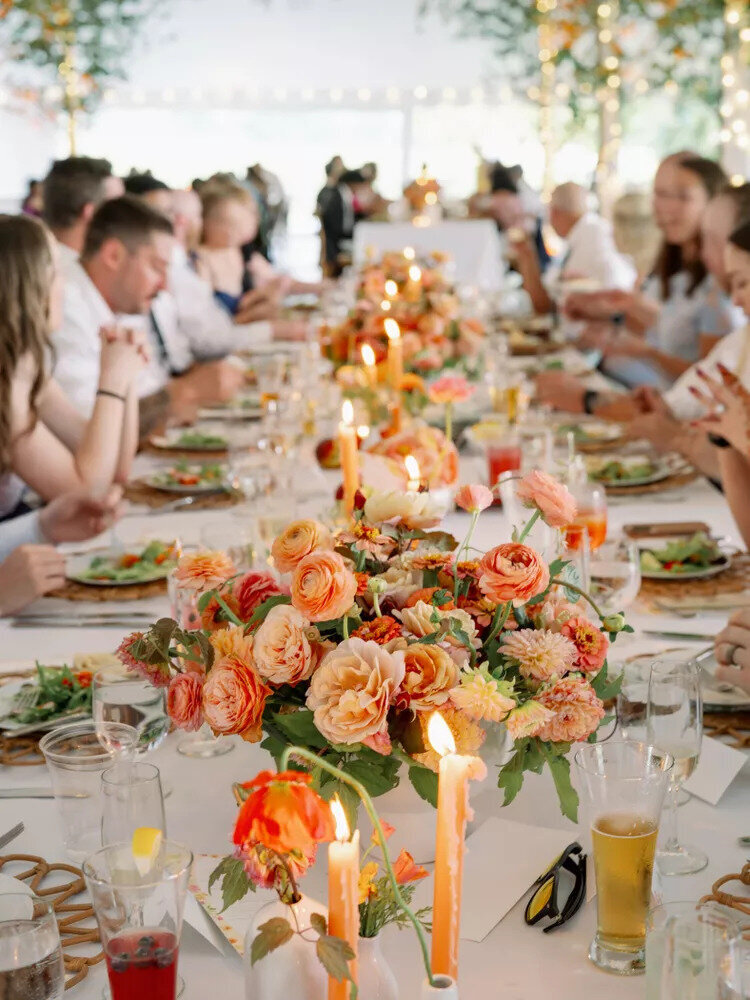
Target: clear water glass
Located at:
point(615, 575)
point(76, 755)
point(699, 956)
point(239, 541)
point(118, 695)
point(131, 797)
point(31, 962)
point(674, 724)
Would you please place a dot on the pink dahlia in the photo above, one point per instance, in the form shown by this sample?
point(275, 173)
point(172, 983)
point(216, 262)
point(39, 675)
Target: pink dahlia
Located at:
point(541, 654)
point(576, 710)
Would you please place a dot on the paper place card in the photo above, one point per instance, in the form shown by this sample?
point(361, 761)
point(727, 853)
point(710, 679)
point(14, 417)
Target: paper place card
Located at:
point(233, 922)
point(717, 768)
point(491, 890)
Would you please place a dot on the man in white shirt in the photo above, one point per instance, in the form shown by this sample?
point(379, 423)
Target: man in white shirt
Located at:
point(73, 190)
point(589, 259)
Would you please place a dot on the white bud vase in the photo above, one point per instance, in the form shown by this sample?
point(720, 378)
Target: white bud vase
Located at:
point(445, 988)
point(376, 979)
point(293, 971)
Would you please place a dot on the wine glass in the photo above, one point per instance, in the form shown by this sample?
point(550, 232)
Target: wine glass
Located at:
point(237, 540)
point(614, 575)
point(119, 695)
point(674, 725)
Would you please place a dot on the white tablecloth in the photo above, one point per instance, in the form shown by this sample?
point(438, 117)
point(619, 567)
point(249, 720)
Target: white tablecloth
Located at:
point(514, 962)
point(474, 245)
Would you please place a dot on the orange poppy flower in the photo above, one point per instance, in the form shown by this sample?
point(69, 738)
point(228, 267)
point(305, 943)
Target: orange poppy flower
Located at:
point(284, 814)
point(406, 870)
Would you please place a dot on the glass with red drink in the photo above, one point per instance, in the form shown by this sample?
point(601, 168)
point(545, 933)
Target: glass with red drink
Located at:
point(139, 913)
point(591, 517)
point(503, 456)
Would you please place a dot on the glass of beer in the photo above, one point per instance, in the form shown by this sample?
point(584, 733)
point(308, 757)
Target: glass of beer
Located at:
point(622, 787)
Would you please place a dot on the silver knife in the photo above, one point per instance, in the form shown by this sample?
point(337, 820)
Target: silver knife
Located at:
point(12, 834)
point(38, 793)
point(78, 622)
point(691, 636)
point(85, 616)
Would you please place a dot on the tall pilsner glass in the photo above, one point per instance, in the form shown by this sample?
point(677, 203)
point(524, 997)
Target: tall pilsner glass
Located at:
point(622, 787)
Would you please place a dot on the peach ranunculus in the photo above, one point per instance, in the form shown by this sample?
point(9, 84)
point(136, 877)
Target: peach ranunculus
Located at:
point(592, 644)
point(233, 699)
point(323, 586)
point(482, 697)
point(419, 620)
point(232, 641)
point(430, 675)
point(412, 510)
point(540, 654)
point(284, 814)
point(287, 649)
point(406, 870)
point(252, 589)
point(512, 572)
point(576, 710)
point(185, 701)
point(474, 499)
point(298, 540)
point(450, 389)
point(201, 571)
point(527, 720)
point(352, 690)
point(555, 501)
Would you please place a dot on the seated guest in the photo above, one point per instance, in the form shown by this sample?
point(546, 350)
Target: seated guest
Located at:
point(230, 222)
point(44, 442)
point(662, 334)
point(73, 189)
point(344, 206)
point(590, 252)
point(334, 169)
point(30, 566)
point(33, 202)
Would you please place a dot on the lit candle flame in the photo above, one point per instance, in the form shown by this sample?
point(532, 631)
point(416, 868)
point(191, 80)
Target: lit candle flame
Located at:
point(410, 253)
point(363, 432)
point(385, 306)
point(440, 736)
point(368, 355)
point(392, 329)
point(430, 198)
point(347, 412)
point(415, 273)
point(391, 288)
point(339, 816)
point(415, 473)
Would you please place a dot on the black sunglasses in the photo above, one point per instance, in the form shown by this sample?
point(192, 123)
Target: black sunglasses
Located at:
point(545, 900)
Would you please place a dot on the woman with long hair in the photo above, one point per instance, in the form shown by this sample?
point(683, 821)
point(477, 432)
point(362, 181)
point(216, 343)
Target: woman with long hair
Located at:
point(44, 443)
point(661, 325)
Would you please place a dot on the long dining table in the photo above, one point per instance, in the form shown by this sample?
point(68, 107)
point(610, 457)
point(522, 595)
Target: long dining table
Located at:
point(514, 961)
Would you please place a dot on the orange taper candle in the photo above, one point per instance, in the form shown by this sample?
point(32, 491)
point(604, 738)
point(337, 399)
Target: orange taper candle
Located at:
point(343, 896)
point(349, 451)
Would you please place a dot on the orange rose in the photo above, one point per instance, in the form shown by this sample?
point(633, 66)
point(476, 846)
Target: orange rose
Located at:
point(323, 587)
point(184, 701)
point(287, 649)
point(297, 541)
point(233, 699)
point(512, 572)
point(283, 814)
point(430, 676)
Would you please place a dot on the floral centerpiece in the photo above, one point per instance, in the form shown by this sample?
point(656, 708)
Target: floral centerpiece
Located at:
point(434, 453)
point(366, 632)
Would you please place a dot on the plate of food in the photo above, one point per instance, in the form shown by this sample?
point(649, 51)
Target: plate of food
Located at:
point(114, 568)
point(54, 695)
point(592, 432)
point(187, 478)
point(190, 440)
point(628, 470)
point(693, 557)
point(242, 408)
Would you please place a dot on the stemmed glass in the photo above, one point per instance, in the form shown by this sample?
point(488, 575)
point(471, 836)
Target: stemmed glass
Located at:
point(674, 724)
point(119, 695)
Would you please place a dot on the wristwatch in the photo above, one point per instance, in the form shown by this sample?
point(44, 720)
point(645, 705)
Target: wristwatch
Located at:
point(718, 441)
point(590, 397)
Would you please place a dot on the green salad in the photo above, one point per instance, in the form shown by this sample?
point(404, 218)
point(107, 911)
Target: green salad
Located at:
point(195, 439)
point(185, 474)
point(155, 561)
point(60, 691)
point(682, 556)
point(620, 472)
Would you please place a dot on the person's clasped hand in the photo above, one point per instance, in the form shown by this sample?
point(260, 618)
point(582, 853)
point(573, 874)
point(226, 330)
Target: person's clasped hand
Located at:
point(732, 649)
point(30, 571)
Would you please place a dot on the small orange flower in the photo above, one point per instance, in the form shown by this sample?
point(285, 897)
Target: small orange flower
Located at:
point(363, 582)
point(426, 593)
point(284, 814)
point(382, 630)
point(406, 870)
point(388, 832)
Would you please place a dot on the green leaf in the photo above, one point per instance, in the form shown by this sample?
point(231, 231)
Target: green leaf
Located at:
point(347, 796)
point(443, 541)
point(604, 687)
point(319, 924)
point(262, 610)
point(205, 599)
point(300, 729)
point(425, 784)
point(510, 776)
point(235, 884)
point(378, 776)
point(560, 769)
point(334, 955)
point(271, 935)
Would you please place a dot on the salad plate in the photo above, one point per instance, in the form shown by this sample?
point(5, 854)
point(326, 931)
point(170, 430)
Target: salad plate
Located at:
point(115, 568)
point(188, 478)
point(55, 695)
point(694, 557)
point(190, 440)
point(628, 470)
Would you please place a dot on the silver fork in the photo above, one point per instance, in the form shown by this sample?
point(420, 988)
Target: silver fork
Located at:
point(25, 699)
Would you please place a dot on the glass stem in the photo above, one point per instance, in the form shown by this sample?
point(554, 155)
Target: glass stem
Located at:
point(672, 842)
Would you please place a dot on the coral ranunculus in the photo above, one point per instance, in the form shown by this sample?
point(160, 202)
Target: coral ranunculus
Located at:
point(575, 709)
point(203, 570)
point(555, 501)
point(512, 572)
point(251, 590)
point(185, 701)
point(284, 814)
point(233, 699)
point(450, 389)
point(287, 649)
point(592, 644)
point(323, 586)
point(474, 499)
point(297, 541)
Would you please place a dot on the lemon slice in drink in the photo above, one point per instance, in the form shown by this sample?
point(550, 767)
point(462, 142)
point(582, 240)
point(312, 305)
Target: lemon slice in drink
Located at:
point(145, 845)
